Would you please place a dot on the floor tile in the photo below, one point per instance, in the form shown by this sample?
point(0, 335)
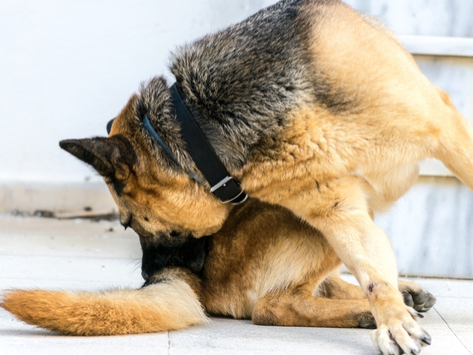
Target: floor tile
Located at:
point(73, 238)
point(67, 272)
point(446, 287)
point(243, 337)
point(458, 314)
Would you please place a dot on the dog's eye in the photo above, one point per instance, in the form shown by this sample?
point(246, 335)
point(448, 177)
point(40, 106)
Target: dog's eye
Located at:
point(174, 233)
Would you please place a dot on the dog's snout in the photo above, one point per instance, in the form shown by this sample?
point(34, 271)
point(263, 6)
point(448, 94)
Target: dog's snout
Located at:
point(144, 275)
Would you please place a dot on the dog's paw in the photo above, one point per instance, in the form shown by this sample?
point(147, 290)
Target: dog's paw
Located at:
point(416, 297)
point(421, 301)
point(400, 335)
point(367, 321)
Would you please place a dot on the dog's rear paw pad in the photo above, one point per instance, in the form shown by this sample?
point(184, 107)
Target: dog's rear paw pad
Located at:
point(421, 301)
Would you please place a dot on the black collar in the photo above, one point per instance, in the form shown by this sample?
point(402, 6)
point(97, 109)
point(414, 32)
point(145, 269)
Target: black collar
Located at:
point(223, 185)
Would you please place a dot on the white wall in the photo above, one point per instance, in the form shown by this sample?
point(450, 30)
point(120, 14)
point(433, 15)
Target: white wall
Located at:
point(67, 67)
point(450, 18)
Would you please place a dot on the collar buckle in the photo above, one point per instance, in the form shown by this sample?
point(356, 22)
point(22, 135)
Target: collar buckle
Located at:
point(228, 190)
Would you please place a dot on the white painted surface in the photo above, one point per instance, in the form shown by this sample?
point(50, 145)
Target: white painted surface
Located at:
point(448, 18)
point(31, 196)
point(67, 67)
point(430, 229)
point(439, 46)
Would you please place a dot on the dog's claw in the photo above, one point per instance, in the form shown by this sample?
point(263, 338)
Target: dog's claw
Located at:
point(402, 337)
point(426, 340)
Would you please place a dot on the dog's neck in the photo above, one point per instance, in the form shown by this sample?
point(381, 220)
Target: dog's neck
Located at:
point(227, 139)
point(155, 101)
point(224, 186)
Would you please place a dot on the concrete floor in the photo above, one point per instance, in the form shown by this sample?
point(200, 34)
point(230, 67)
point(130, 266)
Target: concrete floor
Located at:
point(78, 254)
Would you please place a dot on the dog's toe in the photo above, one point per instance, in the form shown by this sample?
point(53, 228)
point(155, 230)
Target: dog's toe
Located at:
point(367, 321)
point(408, 300)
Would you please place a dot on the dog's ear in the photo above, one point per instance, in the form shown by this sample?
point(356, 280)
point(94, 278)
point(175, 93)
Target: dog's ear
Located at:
point(111, 157)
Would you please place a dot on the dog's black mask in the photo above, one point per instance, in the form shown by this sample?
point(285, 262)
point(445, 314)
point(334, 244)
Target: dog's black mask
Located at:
point(159, 253)
point(178, 251)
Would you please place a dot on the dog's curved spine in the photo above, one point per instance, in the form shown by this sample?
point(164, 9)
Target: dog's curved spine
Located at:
point(170, 303)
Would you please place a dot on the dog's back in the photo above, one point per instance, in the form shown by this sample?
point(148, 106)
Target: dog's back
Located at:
point(250, 75)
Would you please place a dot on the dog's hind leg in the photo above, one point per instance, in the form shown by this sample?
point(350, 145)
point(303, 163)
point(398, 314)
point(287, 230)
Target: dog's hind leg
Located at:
point(335, 288)
point(414, 296)
point(298, 307)
point(455, 147)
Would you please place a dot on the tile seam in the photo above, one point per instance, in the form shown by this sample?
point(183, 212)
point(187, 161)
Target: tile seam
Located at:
point(456, 336)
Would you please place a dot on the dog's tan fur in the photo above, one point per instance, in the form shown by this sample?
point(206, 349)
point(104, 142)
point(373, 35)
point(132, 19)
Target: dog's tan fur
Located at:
point(335, 161)
point(161, 307)
point(264, 265)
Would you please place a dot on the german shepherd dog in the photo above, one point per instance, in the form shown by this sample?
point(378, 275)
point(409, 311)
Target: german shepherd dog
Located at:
point(310, 106)
point(264, 264)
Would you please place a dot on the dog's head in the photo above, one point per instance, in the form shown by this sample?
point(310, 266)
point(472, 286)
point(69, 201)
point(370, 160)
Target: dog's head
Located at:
point(154, 196)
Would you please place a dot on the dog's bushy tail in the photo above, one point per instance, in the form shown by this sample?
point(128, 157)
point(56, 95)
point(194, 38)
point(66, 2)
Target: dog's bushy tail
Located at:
point(167, 305)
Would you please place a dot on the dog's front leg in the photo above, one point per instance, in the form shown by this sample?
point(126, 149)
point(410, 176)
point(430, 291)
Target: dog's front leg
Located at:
point(366, 251)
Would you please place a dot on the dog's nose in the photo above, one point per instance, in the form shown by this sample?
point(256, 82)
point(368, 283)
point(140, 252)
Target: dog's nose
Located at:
point(144, 275)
